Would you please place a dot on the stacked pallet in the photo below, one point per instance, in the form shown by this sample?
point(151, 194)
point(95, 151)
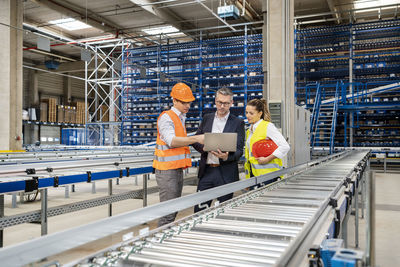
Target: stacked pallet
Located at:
point(80, 112)
point(67, 114)
point(48, 110)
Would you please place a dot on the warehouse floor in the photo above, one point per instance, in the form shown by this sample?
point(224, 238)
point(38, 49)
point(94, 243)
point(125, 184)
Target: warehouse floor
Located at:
point(387, 216)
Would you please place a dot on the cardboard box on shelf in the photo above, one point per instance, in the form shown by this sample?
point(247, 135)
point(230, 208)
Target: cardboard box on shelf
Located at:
point(43, 111)
point(104, 113)
point(60, 113)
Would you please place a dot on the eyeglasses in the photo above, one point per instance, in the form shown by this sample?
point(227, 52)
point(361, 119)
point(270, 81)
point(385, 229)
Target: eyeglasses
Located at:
point(222, 103)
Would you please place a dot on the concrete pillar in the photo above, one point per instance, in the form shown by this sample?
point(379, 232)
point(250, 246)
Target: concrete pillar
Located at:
point(278, 66)
point(67, 90)
point(11, 14)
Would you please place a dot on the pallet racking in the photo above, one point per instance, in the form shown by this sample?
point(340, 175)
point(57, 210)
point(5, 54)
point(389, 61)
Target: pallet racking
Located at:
point(363, 57)
point(150, 72)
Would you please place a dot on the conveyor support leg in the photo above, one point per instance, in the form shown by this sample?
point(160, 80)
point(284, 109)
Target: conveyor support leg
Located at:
point(1, 215)
point(356, 216)
point(43, 215)
point(110, 193)
point(66, 191)
point(145, 177)
point(14, 200)
point(370, 229)
point(93, 188)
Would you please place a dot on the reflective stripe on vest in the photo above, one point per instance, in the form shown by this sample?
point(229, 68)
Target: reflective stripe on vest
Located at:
point(162, 147)
point(252, 164)
point(266, 166)
point(167, 158)
point(171, 158)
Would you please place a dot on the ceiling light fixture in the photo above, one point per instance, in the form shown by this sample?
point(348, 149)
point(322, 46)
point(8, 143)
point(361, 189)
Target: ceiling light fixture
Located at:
point(70, 24)
point(168, 30)
point(360, 4)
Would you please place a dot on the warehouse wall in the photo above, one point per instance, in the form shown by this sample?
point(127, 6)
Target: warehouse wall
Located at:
point(51, 85)
point(48, 85)
point(78, 87)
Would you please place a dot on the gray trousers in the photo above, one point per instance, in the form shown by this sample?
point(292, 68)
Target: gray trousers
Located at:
point(170, 183)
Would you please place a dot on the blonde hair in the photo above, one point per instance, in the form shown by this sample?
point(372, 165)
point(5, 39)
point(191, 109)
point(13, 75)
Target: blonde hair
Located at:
point(260, 104)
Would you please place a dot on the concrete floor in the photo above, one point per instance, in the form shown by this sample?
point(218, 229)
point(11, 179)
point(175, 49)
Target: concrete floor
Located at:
point(387, 216)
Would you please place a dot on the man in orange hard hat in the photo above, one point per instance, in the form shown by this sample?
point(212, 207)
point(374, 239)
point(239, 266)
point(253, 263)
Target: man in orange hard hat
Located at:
point(172, 154)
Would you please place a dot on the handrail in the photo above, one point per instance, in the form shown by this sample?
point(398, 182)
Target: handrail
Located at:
point(334, 118)
point(315, 115)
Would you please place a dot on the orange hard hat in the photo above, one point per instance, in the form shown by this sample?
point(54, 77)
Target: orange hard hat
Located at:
point(182, 92)
point(263, 148)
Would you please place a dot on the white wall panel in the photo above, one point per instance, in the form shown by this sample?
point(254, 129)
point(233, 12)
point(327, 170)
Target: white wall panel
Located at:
point(78, 89)
point(50, 134)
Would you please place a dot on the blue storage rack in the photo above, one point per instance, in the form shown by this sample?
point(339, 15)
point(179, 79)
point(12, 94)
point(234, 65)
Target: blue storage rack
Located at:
point(206, 65)
point(323, 57)
point(323, 54)
point(73, 136)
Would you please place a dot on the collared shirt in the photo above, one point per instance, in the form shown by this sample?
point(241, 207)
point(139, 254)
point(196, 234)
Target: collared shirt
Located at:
point(166, 126)
point(217, 127)
point(274, 134)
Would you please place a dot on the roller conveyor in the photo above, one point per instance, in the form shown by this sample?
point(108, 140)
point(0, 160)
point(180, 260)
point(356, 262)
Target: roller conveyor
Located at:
point(264, 227)
point(69, 167)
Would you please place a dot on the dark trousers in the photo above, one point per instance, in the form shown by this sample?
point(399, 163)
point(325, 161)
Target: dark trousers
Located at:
point(170, 184)
point(212, 178)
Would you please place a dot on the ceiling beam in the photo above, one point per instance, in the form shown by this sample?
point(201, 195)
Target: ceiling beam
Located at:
point(28, 48)
point(332, 7)
point(165, 15)
point(30, 61)
point(81, 14)
point(76, 66)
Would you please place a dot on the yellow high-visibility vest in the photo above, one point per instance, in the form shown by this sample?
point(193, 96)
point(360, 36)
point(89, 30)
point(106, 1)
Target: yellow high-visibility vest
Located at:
point(251, 162)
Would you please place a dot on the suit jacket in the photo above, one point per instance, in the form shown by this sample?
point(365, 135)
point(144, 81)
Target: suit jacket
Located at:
point(230, 170)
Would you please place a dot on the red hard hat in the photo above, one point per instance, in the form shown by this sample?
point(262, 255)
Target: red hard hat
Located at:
point(263, 148)
point(182, 92)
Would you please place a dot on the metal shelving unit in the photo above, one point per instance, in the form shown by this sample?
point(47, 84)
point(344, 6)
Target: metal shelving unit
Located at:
point(365, 59)
point(206, 65)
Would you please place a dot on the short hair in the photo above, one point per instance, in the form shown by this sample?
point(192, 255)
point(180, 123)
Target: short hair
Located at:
point(225, 91)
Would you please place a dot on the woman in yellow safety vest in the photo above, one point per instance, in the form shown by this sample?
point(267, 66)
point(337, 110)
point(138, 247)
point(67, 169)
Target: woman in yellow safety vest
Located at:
point(261, 128)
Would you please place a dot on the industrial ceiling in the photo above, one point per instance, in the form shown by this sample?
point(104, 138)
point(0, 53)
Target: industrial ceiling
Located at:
point(139, 20)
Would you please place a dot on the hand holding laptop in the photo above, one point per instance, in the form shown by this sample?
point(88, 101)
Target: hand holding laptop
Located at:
point(221, 155)
point(225, 142)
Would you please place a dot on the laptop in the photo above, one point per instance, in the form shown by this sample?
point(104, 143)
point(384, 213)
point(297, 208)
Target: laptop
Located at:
point(226, 142)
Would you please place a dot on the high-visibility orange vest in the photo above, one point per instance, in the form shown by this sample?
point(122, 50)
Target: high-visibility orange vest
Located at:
point(167, 158)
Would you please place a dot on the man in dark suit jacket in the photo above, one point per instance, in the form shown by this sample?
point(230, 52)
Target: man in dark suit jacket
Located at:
point(217, 167)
